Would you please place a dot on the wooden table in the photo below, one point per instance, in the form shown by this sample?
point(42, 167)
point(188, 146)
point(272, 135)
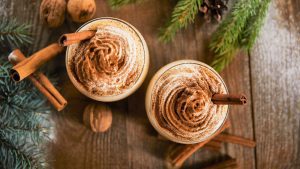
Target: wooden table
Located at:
point(268, 75)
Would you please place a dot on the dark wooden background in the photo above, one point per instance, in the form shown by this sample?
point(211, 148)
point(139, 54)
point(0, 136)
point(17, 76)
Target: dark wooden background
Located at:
point(268, 75)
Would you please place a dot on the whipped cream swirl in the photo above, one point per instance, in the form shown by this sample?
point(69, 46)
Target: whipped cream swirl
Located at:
point(108, 63)
point(181, 102)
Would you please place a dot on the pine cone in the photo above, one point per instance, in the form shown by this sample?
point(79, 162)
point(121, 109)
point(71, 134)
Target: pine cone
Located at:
point(213, 9)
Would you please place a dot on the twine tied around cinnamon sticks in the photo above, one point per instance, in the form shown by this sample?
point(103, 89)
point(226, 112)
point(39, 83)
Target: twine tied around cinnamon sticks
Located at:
point(27, 67)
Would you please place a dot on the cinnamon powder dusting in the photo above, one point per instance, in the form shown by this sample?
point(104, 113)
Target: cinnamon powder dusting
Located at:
point(181, 102)
point(109, 63)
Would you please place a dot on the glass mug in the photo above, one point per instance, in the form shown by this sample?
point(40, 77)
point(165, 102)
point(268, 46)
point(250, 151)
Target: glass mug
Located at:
point(178, 102)
point(111, 65)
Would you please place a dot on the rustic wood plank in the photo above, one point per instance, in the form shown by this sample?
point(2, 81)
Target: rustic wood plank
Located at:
point(191, 43)
point(132, 142)
point(276, 91)
point(237, 78)
point(106, 150)
point(77, 147)
point(74, 146)
point(146, 148)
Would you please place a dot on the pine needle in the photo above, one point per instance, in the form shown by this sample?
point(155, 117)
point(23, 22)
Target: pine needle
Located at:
point(254, 25)
point(183, 14)
point(239, 30)
point(24, 123)
point(15, 156)
point(115, 4)
point(13, 34)
point(229, 36)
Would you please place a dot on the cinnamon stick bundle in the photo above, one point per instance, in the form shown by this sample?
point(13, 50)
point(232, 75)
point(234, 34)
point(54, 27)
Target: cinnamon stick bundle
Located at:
point(41, 82)
point(235, 140)
point(180, 154)
point(229, 99)
point(71, 38)
point(227, 164)
point(29, 65)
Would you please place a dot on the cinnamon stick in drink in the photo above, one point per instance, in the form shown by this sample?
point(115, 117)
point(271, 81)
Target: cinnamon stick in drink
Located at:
point(71, 38)
point(41, 82)
point(229, 99)
point(29, 65)
point(180, 154)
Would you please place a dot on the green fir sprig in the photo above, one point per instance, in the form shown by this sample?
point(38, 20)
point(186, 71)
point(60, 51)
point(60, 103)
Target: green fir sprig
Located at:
point(254, 25)
point(183, 14)
point(24, 123)
point(238, 31)
point(13, 34)
point(118, 3)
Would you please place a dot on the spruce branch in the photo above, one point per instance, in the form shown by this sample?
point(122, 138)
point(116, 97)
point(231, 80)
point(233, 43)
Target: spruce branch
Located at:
point(229, 35)
point(15, 156)
point(222, 60)
point(24, 123)
point(254, 25)
point(118, 3)
point(13, 34)
point(183, 14)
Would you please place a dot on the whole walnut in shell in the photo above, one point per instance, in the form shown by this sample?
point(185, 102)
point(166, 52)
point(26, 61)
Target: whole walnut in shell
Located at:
point(97, 117)
point(81, 10)
point(52, 12)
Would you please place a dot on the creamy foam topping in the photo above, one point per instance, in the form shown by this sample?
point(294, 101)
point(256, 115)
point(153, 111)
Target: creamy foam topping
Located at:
point(110, 62)
point(181, 102)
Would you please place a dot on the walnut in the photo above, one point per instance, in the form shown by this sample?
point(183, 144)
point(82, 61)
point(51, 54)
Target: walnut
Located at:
point(97, 117)
point(81, 10)
point(52, 12)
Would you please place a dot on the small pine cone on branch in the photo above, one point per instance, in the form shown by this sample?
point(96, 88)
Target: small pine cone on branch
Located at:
point(213, 9)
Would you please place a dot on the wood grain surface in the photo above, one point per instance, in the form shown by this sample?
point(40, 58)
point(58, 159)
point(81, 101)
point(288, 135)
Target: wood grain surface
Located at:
point(268, 75)
point(276, 87)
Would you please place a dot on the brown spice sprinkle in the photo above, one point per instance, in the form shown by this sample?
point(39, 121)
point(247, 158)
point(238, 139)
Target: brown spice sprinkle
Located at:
point(109, 63)
point(181, 102)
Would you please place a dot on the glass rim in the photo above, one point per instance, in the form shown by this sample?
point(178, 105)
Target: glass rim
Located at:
point(129, 91)
point(161, 72)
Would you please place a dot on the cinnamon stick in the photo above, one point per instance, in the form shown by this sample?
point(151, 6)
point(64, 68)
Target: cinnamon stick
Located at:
point(227, 164)
point(71, 38)
point(29, 65)
point(213, 145)
point(41, 82)
point(180, 154)
point(235, 140)
point(235, 99)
